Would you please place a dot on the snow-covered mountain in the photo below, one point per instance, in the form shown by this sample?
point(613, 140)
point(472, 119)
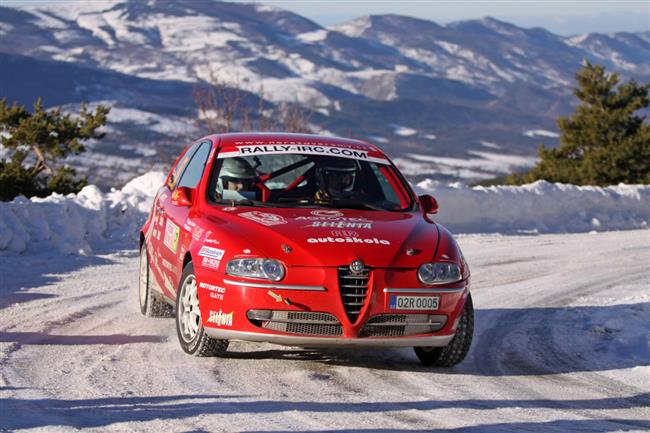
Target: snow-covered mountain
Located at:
point(466, 100)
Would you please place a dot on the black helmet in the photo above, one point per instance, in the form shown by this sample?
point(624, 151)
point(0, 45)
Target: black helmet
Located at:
point(336, 176)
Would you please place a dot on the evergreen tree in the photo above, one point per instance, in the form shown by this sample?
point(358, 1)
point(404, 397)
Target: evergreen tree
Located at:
point(603, 142)
point(36, 142)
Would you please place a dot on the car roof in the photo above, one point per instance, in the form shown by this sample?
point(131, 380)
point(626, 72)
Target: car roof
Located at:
point(237, 138)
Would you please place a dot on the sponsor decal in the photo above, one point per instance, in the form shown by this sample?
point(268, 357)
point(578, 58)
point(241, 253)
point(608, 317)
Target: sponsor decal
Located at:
point(278, 298)
point(166, 264)
point(333, 218)
point(220, 318)
point(246, 251)
point(228, 208)
point(348, 240)
point(171, 236)
point(214, 253)
point(168, 283)
point(216, 292)
point(345, 233)
point(341, 224)
point(209, 262)
point(264, 218)
point(307, 148)
point(327, 213)
point(190, 223)
point(197, 232)
point(211, 241)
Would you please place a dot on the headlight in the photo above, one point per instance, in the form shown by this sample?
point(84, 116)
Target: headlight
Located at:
point(439, 273)
point(265, 269)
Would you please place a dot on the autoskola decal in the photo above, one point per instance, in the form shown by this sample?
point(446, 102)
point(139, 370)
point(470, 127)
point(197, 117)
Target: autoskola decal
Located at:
point(264, 218)
point(348, 240)
point(171, 236)
point(220, 318)
point(302, 148)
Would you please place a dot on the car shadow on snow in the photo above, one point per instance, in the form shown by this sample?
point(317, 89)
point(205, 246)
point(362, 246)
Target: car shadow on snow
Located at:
point(101, 412)
point(41, 338)
point(559, 426)
point(20, 275)
point(511, 342)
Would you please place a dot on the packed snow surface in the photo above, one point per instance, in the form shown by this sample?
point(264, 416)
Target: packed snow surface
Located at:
point(561, 344)
point(93, 221)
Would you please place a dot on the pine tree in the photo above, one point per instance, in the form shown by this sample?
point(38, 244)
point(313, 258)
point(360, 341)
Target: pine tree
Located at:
point(39, 139)
point(603, 142)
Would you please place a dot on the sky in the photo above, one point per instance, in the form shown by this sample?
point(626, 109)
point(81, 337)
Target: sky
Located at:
point(563, 17)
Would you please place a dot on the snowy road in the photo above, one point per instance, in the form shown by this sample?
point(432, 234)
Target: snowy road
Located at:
point(562, 345)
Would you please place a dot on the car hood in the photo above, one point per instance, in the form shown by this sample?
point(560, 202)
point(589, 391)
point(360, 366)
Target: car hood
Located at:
point(324, 237)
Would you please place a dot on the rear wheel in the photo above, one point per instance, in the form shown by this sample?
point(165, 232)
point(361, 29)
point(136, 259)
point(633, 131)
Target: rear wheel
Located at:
point(457, 349)
point(150, 305)
point(189, 327)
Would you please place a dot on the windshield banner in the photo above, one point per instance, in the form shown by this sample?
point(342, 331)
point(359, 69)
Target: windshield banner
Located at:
point(306, 149)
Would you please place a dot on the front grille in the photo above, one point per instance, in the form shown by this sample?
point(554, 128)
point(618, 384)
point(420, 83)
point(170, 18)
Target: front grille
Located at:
point(353, 288)
point(399, 325)
point(301, 323)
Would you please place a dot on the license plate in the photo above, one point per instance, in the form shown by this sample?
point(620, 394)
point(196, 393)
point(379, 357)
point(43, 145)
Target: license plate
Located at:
point(413, 302)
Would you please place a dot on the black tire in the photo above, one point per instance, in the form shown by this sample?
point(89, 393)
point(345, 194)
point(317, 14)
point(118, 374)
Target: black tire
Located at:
point(150, 305)
point(457, 349)
point(197, 343)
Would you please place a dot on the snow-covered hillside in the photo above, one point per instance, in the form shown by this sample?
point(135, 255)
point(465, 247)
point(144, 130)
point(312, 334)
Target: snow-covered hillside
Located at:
point(431, 91)
point(92, 221)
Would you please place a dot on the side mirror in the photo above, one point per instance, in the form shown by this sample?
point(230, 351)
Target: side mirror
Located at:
point(182, 196)
point(428, 203)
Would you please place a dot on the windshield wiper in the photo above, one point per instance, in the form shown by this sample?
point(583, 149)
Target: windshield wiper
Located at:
point(243, 202)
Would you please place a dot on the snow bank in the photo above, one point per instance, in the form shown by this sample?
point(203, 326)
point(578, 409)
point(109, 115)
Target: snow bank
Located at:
point(93, 221)
point(539, 207)
point(78, 223)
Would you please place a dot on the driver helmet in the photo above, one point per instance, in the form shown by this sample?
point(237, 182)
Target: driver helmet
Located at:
point(238, 171)
point(336, 176)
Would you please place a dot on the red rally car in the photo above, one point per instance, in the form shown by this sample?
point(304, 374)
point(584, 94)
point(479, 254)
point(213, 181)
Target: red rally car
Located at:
point(302, 240)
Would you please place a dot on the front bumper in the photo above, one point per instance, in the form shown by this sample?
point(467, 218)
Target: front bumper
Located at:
point(306, 341)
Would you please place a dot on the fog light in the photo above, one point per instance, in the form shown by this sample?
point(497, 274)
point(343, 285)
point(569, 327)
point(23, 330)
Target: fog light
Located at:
point(263, 315)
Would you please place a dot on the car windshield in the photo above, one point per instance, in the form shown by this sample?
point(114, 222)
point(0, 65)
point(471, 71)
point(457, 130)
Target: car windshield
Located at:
point(297, 180)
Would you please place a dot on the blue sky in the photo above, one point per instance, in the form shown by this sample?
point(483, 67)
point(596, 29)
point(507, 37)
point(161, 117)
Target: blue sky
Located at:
point(564, 17)
point(559, 16)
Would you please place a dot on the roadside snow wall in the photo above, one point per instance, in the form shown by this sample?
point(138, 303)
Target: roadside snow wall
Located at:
point(539, 207)
point(82, 223)
point(93, 221)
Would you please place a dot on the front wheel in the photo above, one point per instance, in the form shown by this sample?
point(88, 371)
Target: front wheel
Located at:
point(189, 327)
point(457, 349)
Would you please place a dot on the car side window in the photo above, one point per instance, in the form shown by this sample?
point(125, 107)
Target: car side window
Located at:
point(194, 169)
point(182, 163)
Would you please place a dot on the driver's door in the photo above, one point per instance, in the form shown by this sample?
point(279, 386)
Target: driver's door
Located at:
point(179, 224)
